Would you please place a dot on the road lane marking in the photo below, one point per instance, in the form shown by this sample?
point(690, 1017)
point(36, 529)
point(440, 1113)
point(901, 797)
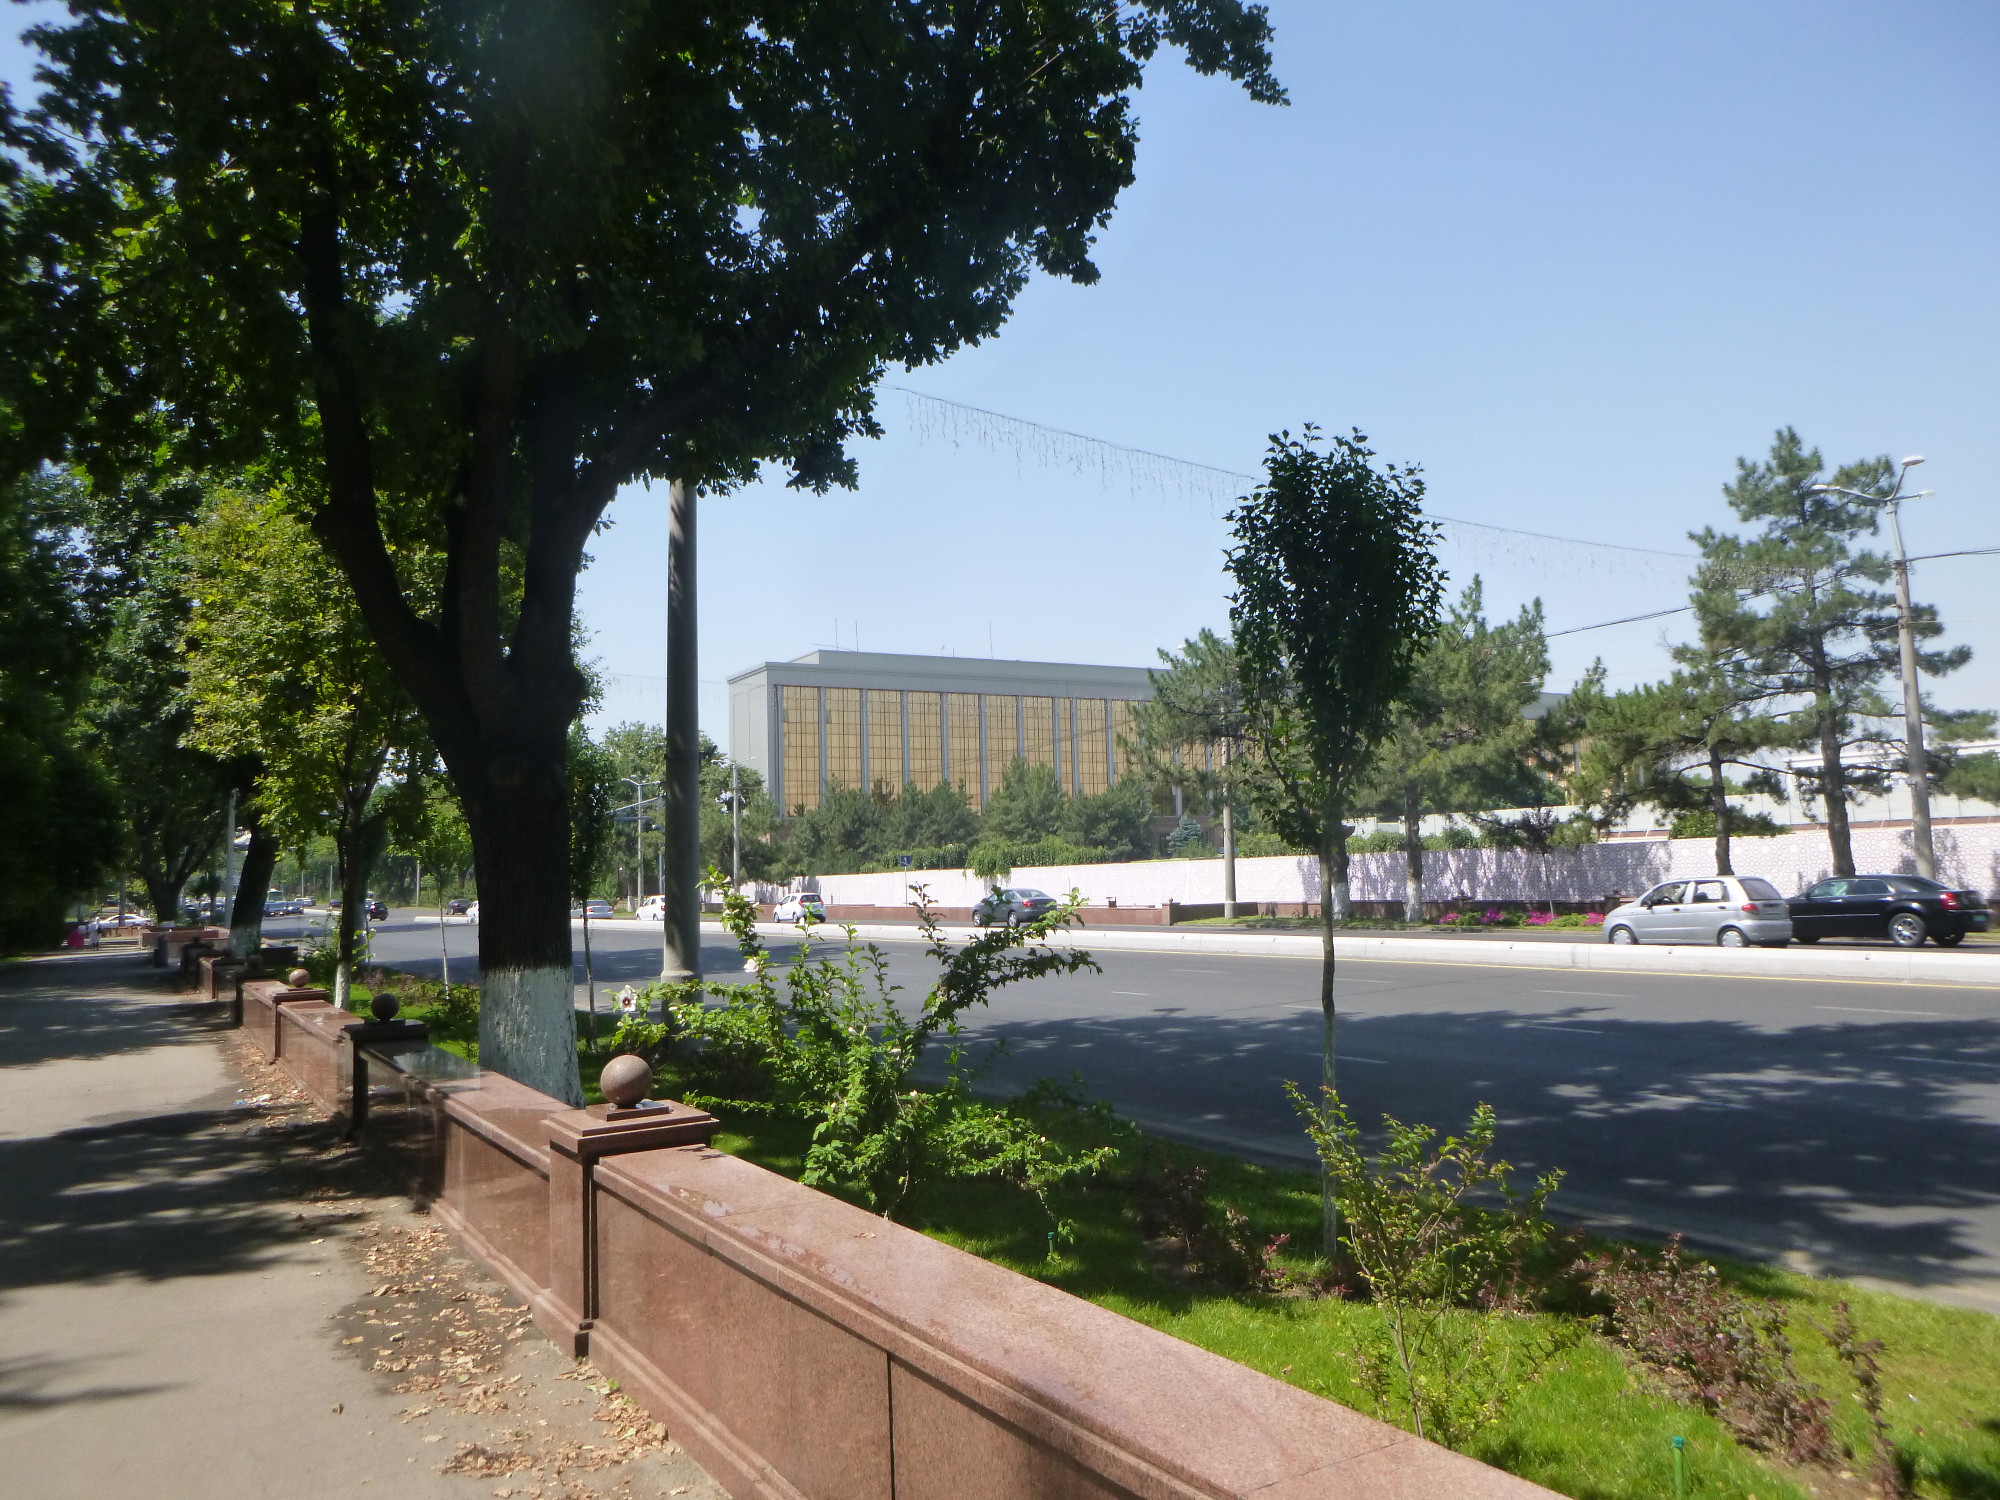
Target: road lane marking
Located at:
point(1341, 1057)
point(1950, 1062)
point(1189, 971)
point(1135, 994)
point(1876, 1010)
point(1551, 1026)
point(1589, 994)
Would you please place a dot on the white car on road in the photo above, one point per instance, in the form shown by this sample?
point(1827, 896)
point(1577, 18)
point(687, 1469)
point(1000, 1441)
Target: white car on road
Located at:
point(652, 909)
point(1732, 911)
point(802, 908)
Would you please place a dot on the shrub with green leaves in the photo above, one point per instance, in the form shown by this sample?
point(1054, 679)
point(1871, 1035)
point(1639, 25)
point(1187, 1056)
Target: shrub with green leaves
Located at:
point(831, 1043)
point(1449, 1278)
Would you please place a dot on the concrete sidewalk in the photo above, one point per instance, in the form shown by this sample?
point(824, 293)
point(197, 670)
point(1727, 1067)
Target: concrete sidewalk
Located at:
point(181, 1266)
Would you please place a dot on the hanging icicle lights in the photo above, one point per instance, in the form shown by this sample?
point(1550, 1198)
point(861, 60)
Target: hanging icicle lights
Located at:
point(1141, 472)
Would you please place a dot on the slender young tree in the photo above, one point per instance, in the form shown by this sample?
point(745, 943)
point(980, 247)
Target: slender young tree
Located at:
point(1191, 735)
point(1338, 589)
point(464, 271)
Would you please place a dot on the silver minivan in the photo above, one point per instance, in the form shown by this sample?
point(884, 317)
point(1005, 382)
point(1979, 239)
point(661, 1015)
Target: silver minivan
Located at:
point(1732, 911)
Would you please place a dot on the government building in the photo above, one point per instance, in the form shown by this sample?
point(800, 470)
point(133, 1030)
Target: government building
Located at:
point(869, 719)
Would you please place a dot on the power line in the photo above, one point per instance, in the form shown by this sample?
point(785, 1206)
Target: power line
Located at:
point(1658, 614)
point(1059, 447)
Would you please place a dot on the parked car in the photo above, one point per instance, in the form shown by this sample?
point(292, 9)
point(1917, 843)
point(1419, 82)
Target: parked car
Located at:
point(595, 909)
point(802, 908)
point(457, 907)
point(652, 909)
point(472, 914)
point(1905, 909)
point(1731, 911)
point(284, 906)
point(1011, 907)
point(376, 908)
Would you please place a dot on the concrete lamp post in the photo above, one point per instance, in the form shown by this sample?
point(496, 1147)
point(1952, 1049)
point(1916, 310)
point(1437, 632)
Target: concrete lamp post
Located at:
point(1913, 703)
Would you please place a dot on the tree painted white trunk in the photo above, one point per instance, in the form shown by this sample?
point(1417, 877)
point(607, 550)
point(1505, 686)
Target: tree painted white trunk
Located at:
point(527, 1024)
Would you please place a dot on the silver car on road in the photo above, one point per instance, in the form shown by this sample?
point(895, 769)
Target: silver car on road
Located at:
point(1732, 911)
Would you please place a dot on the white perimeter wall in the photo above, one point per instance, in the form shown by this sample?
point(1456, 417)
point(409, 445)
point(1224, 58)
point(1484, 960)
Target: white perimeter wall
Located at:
point(1968, 856)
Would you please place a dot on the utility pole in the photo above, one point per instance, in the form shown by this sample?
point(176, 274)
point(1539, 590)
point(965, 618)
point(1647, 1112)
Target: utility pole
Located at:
point(1906, 639)
point(638, 783)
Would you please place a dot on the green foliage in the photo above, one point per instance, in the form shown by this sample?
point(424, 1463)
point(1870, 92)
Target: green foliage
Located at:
point(1441, 1271)
point(1804, 613)
point(1337, 597)
point(592, 786)
point(1187, 840)
point(834, 1046)
point(1191, 734)
point(1742, 825)
point(59, 826)
point(1976, 776)
point(1025, 806)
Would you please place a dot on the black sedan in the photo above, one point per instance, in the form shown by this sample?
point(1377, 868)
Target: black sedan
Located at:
point(1012, 907)
point(1905, 909)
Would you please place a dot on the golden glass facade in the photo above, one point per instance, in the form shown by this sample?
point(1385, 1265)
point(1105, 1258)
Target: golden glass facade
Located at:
point(1093, 767)
point(885, 740)
point(800, 727)
point(1124, 738)
point(1003, 737)
point(1038, 747)
point(843, 737)
point(926, 739)
point(962, 724)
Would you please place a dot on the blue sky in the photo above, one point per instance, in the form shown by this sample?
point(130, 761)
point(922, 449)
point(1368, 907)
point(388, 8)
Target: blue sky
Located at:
point(1573, 259)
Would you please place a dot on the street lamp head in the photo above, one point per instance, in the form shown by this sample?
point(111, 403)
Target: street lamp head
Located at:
point(1913, 460)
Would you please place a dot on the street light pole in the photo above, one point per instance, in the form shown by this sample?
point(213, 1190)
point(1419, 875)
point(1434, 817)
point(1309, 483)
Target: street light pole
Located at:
point(638, 783)
point(1906, 639)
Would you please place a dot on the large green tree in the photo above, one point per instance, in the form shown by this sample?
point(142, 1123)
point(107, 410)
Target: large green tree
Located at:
point(464, 270)
point(1800, 601)
point(1460, 741)
point(59, 825)
point(1338, 590)
point(281, 672)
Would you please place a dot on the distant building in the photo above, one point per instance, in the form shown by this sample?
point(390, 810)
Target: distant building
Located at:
point(866, 718)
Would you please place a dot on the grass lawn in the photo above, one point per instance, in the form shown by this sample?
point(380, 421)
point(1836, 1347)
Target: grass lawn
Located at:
point(1587, 1427)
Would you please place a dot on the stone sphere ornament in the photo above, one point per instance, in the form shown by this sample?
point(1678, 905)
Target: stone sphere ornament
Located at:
point(384, 1007)
point(625, 1080)
point(298, 979)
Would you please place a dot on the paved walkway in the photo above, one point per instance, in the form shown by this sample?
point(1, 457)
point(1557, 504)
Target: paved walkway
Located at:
point(198, 1283)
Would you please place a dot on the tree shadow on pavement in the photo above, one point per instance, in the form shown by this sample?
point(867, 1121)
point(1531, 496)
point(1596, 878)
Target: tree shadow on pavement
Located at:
point(1875, 1146)
point(82, 1008)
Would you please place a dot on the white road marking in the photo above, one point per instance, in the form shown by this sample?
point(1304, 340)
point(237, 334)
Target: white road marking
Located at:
point(1200, 971)
point(1950, 1062)
point(1135, 994)
point(1876, 1010)
point(1341, 1057)
point(1587, 994)
point(1551, 1026)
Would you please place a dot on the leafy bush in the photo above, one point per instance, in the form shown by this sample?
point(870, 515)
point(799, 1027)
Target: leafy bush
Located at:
point(1448, 1278)
point(1171, 1200)
point(834, 1047)
point(1186, 837)
point(1706, 1344)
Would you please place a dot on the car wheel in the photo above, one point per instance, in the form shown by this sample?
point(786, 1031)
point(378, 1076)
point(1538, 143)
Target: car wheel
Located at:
point(1731, 937)
point(1013, 919)
point(1949, 939)
point(1624, 937)
point(979, 919)
point(1906, 930)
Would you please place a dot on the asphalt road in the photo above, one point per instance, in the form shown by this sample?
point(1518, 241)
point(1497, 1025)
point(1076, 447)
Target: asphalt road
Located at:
point(1852, 1127)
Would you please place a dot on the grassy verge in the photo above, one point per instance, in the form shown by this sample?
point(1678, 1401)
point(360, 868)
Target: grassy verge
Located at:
point(1589, 1427)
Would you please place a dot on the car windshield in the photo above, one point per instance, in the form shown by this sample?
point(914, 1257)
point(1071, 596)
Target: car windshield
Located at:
point(1759, 890)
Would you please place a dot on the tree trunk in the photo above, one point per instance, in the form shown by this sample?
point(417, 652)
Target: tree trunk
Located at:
point(444, 941)
point(347, 848)
point(1333, 881)
point(1718, 801)
point(1833, 788)
point(519, 819)
point(680, 797)
point(1413, 855)
point(246, 917)
point(164, 896)
point(1332, 865)
point(1228, 854)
